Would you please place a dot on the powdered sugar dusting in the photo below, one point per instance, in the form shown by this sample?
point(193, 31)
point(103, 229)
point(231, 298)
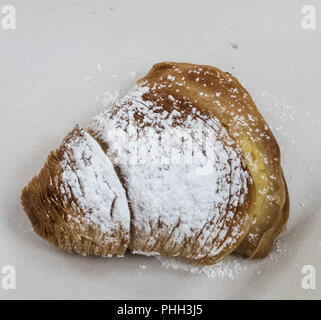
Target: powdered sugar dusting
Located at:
point(177, 202)
point(88, 176)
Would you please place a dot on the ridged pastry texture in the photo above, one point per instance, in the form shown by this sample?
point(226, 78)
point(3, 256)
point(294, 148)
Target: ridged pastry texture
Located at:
point(77, 201)
point(182, 166)
point(188, 199)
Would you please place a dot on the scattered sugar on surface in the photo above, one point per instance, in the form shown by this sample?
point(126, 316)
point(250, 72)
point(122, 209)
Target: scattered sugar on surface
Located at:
point(232, 267)
point(108, 98)
point(229, 268)
point(289, 122)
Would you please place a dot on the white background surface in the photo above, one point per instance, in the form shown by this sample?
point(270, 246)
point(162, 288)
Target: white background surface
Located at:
point(44, 90)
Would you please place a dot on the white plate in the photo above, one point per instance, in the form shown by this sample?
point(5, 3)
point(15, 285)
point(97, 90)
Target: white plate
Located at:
point(64, 54)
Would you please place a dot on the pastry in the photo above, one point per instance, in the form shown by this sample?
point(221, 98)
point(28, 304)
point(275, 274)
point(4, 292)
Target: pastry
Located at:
point(183, 166)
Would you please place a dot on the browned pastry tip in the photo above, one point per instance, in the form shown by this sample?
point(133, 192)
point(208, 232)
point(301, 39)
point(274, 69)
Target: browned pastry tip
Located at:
point(56, 216)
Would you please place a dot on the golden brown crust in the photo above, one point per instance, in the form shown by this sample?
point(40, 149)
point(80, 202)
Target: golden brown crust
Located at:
point(215, 93)
point(219, 93)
